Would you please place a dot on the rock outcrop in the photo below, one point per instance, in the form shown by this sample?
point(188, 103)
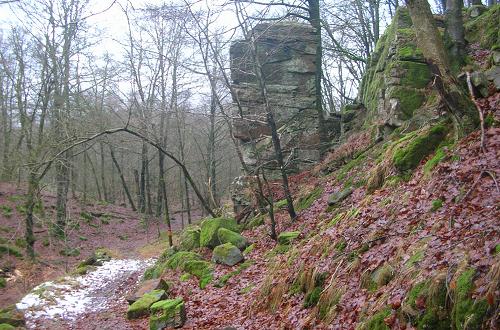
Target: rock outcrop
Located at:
point(287, 54)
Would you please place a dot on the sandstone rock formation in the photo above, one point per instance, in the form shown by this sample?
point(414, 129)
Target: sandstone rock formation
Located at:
point(287, 53)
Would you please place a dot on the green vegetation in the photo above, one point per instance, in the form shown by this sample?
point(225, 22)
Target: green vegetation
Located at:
point(467, 313)
point(255, 222)
point(376, 322)
point(305, 202)
point(6, 210)
point(415, 258)
point(287, 237)
point(431, 163)
point(436, 204)
point(141, 307)
point(10, 250)
point(408, 157)
point(3, 282)
point(223, 280)
point(484, 29)
point(210, 227)
point(228, 236)
point(167, 314)
point(190, 239)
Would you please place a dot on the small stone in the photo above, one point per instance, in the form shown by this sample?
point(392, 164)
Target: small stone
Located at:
point(338, 197)
point(227, 254)
point(496, 57)
point(493, 74)
point(167, 314)
point(287, 237)
point(147, 286)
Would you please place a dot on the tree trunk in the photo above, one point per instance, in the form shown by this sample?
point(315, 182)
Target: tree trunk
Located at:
point(124, 183)
point(103, 174)
point(455, 28)
point(431, 43)
point(30, 206)
point(163, 186)
point(137, 188)
point(94, 172)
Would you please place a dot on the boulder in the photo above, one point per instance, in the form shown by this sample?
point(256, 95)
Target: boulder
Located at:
point(167, 314)
point(228, 236)
point(476, 10)
point(147, 286)
point(287, 237)
point(227, 254)
point(480, 81)
point(190, 239)
point(210, 227)
point(493, 75)
point(335, 198)
point(12, 316)
point(141, 306)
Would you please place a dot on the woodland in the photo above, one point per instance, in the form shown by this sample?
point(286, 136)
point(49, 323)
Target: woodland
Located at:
point(249, 164)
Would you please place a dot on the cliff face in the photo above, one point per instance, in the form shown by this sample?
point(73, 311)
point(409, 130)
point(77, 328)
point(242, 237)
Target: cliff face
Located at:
point(287, 53)
point(395, 82)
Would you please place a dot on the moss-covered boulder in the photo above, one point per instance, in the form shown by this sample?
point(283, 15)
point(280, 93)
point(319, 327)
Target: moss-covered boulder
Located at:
point(228, 236)
point(167, 314)
point(209, 230)
point(190, 239)
point(409, 156)
point(193, 264)
point(227, 254)
point(146, 287)
point(141, 307)
point(254, 222)
point(336, 198)
point(5, 326)
point(12, 316)
point(484, 28)
point(287, 237)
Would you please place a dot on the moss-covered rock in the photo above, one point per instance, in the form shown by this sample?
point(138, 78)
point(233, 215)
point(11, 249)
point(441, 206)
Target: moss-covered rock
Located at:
point(167, 314)
point(228, 236)
point(484, 28)
point(210, 227)
point(227, 254)
point(5, 326)
point(3, 282)
point(141, 307)
point(201, 269)
point(190, 239)
point(287, 237)
point(409, 156)
point(146, 287)
point(335, 198)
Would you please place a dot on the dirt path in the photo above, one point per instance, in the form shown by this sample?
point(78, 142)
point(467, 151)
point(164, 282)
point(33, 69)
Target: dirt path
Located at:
point(60, 304)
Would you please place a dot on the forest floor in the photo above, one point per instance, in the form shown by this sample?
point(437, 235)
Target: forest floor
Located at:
point(436, 221)
point(122, 232)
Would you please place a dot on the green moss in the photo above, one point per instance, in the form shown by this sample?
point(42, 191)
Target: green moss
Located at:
point(178, 259)
point(201, 269)
point(376, 322)
point(70, 252)
point(340, 245)
point(287, 237)
point(467, 313)
point(415, 258)
point(409, 156)
point(209, 228)
point(497, 249)
point(305, 202)
point(255, 222)
point(86, 216)
point(335, 220)
point(169, 313)
point(6, 210)
point(281, 203)
point(417, 75)
point(5, 326)
point(248, 249)
point(10, 250)
point(484, 28)
point(342, 173)
point(3, 282)
point(431, 163)
point(223, 280)
point(190, 239)
point(141, 307)
point(410, 99)
point(247, 289)
point(436, 205)
point(228, 236)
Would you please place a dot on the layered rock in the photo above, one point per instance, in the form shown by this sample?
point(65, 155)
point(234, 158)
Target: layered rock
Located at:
point(287, 54)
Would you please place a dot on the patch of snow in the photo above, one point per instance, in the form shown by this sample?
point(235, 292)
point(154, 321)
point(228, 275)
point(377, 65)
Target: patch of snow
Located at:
point(72, 296)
